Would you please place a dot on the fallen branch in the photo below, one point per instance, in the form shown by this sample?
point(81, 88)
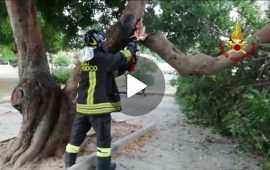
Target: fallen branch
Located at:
point(199, 64)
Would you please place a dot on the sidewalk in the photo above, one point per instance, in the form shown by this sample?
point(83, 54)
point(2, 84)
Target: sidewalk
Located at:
point(177, 145)
point(8, 71)
point(10, 121)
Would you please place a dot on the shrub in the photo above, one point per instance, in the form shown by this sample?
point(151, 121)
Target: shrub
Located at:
point(61, 75)
point(61, 59)
point(13, 62)
point(236, 102)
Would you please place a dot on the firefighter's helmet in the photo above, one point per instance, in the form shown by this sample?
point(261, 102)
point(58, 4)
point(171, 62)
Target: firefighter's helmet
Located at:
point(94, 38)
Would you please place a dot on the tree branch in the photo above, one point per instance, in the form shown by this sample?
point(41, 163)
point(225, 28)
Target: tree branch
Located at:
point(118, 34)
point(199, 64)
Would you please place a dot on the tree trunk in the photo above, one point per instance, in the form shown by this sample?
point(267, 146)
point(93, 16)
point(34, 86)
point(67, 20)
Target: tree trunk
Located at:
point(37, 94)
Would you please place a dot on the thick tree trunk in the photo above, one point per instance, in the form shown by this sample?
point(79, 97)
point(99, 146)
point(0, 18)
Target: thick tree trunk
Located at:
point(199, 64)
point(37, 94)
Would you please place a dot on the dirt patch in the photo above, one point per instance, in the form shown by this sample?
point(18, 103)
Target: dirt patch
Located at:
point(137, 144)
point(119, 130)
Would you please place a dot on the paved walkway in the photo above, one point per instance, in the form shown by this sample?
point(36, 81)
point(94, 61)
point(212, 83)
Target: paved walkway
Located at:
point(176, 145)
point(10, 118)
point(10, 121)
point(8, 71)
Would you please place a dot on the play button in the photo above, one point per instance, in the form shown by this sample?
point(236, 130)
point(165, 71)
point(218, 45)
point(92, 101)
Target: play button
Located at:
point(134, 86)
point(141, 91)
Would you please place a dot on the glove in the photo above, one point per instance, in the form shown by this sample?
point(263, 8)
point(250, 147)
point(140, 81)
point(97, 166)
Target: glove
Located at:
point(132, 67)
point(132, 47)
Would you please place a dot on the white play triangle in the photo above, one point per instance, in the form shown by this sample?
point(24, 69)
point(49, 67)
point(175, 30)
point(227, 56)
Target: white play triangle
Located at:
point(134, 86)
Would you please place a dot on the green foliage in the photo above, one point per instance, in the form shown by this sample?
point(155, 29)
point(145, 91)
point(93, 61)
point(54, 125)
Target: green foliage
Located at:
point(6, 54)
point(6, 36)
point(235, 101)
point(61, 75)
point(195, 26)
point(13, 62)
point(61, 61)
point(62, 21)
point(61, 71)
point(234, 108)
point(65, 19)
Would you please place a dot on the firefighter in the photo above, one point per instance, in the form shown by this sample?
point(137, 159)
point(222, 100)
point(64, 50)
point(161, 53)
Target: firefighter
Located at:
point(97, 97)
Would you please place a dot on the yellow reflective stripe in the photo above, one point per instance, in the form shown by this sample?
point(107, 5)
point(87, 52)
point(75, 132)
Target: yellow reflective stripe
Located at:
point(92, 86)
point(72, 148)
point(126, 53)
point(103, 152)
point(97, 111)
point(104, 149)
point(94, 43)
point(98, 108)
point(101, 108)
point(99, 105)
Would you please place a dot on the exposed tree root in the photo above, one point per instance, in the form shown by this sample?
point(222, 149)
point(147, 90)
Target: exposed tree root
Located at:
point(38, 103)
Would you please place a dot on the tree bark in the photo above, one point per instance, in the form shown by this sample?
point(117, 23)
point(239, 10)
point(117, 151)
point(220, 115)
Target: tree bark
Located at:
point(36, 96)
point(117, 35)
point(58, 139)
point(199, 64)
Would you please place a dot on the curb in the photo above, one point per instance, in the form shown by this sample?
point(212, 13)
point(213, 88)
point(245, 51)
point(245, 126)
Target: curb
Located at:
point(89, 162)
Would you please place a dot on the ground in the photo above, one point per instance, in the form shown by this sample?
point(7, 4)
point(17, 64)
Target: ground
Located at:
point(177, 145)
point(119, 130)
point(174, 145)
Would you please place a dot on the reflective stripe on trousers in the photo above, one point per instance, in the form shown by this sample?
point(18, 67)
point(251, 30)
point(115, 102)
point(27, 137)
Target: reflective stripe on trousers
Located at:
point(103, 152)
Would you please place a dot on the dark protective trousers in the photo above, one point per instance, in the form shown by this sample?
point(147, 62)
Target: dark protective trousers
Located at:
point(81, 125)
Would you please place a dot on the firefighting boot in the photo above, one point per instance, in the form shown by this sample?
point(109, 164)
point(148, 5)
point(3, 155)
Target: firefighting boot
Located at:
point(70, 159)
point(105, 164)
point(112, 166)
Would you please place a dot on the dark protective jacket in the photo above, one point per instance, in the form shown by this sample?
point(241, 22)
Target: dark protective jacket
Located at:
point(97, 90)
